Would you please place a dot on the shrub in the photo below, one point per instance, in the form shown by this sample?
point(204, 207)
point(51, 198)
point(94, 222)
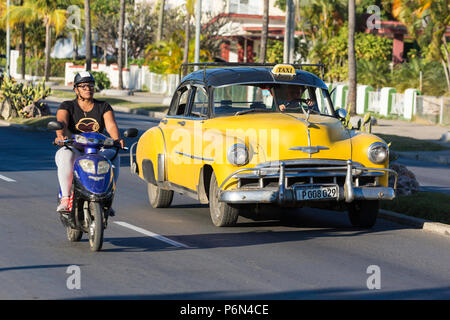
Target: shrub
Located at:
point(101, 81)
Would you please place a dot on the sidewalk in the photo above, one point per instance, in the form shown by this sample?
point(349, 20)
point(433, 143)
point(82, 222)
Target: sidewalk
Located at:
point(430, 133)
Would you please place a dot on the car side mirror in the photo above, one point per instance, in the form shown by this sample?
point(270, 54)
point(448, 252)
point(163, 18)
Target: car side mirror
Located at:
point(341, 113)
point(131, 133)
point(55, 125)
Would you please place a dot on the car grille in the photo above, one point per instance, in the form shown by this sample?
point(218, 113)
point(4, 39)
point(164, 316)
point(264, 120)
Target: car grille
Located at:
point(305, 172)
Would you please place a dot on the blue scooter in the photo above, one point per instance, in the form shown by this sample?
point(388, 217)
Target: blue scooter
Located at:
point(92, 187)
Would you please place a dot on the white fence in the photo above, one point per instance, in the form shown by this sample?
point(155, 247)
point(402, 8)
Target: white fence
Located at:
point(398, 103)
point(374, 103)
point(134, 78)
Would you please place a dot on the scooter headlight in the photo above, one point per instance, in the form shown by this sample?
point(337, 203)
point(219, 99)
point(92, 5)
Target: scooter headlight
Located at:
point(87, 165)
point(103, 167)
point(81, 139)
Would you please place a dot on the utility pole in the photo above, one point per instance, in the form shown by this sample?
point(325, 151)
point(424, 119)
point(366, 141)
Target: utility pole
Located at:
point(198, 19)
point(8, 48)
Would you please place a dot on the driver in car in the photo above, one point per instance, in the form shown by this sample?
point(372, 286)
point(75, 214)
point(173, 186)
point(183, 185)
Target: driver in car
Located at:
point(294, 99)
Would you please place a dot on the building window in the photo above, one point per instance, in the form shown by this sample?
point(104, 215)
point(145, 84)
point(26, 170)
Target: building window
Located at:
point(244, 7)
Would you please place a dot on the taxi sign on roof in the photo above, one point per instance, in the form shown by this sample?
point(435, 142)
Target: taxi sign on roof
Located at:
point(283, 71)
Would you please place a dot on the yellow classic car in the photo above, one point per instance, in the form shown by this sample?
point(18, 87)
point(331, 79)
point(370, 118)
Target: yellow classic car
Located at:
point(239, 136)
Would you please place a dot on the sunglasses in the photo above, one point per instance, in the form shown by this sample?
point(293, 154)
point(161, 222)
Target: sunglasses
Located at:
point(86, 86)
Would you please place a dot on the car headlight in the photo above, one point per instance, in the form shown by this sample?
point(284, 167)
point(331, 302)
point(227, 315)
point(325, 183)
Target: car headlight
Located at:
point(103, 167)
point(238, 154)
point(80, 139)
point(378, 152)
point(87, 165)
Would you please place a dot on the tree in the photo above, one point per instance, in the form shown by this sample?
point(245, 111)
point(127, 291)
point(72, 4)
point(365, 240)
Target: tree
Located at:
point(351, 101)
point(20, 22)
point(121, 34)
point(426, 21)
point(87, 31)
point(105, 24)
point(160, 20)
point(50, 12)
point(264, 32)
point(190, 4)
point(142, 29)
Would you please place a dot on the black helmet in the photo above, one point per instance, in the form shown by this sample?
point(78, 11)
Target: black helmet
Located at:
point(83, 77)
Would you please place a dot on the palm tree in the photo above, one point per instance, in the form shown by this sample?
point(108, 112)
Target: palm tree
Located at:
point(88, 38)
point(16, 20)
point(426, 22)
point(264, 32)
point(190, 4)
point(50, 13)
point(351, 102)
point(121, 33)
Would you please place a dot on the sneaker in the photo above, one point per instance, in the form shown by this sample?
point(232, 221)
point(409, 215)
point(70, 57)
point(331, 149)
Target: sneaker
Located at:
point(110, 212)
point(63, 205)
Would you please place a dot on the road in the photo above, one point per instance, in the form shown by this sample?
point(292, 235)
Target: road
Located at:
point(177, 253)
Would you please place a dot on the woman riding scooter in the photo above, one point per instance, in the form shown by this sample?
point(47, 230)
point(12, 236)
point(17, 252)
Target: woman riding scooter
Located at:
point(83, 114)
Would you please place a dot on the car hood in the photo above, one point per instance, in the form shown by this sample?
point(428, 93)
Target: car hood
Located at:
point(286, 136)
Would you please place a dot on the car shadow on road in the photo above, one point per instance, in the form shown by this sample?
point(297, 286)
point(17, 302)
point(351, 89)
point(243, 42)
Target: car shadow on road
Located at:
point(299, 227)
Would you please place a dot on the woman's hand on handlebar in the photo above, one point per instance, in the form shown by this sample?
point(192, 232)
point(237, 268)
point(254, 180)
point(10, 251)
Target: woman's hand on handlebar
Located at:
point(59, 140)
point(121, 143)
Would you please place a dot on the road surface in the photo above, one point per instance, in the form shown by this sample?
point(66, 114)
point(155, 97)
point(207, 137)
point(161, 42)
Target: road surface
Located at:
point(177, 253)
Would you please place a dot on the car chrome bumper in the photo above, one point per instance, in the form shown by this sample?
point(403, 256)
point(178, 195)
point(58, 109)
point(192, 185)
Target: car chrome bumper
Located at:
point(285, 195)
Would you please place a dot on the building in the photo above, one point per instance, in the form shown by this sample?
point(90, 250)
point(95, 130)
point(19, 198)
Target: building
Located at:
point(242, 35)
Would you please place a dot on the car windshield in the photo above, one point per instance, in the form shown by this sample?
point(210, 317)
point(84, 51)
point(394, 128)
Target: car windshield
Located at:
point(285, 98)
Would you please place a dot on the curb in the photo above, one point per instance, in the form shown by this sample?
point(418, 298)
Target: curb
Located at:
point(425, 225)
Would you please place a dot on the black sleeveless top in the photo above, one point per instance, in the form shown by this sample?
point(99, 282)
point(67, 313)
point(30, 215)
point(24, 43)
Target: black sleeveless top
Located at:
point(80, 121)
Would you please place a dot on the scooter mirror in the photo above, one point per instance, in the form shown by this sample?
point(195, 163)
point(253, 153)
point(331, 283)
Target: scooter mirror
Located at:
point(55, 125)
point(131, 133)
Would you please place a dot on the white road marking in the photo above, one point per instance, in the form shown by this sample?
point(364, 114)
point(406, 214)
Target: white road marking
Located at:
point(6, 178)
point(151, 234)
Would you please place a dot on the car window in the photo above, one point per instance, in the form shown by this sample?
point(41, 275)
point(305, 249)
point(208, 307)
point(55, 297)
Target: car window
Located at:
point(242, 99)
point(299, 99)
point(181, 99)
point(200, 104)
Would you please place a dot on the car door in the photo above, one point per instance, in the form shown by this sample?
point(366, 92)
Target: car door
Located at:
point(176, 137)
point(189, 148)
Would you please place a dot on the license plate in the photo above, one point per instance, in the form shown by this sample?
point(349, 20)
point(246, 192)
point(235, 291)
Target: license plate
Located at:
point(317, 193)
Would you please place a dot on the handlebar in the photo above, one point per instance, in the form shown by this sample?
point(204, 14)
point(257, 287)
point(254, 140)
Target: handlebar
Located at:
point(70, 141)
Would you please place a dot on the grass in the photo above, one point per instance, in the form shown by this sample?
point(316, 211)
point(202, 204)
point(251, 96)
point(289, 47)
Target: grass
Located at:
point(33, 122)
point(399, 143)
point(434, 206)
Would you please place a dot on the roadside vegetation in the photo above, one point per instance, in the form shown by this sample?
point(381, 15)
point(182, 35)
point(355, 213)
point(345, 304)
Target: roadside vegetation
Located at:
point(433, 206)
point(404, 144)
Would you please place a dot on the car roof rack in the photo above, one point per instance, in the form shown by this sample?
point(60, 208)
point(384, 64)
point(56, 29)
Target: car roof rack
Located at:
point(245, 64)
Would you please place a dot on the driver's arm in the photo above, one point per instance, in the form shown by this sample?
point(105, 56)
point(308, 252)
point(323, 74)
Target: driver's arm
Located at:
point(112, 128)
point(62, 116)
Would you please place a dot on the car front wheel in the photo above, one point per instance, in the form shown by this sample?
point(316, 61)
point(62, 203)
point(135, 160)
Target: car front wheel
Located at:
point(222, 214)
point(363, 213)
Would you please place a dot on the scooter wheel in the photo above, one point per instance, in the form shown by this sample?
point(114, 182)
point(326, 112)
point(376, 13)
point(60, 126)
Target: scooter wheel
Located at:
point(74, 235)
point(96, 226)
